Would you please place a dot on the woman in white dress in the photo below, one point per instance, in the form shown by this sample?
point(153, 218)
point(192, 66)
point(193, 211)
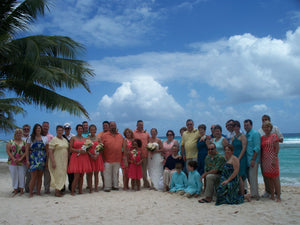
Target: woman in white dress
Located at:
point(155, 161)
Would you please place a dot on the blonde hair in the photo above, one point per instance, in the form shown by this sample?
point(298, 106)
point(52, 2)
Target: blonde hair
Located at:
point(267, 124)
point(16, 131)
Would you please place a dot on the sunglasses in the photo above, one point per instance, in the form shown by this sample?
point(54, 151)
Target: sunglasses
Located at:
point(210, 149)
point(26, 129)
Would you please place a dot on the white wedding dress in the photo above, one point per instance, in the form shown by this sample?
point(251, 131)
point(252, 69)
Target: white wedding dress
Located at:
point(155, 168)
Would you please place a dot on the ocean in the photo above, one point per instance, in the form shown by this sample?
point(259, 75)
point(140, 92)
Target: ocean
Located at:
point(289, 159)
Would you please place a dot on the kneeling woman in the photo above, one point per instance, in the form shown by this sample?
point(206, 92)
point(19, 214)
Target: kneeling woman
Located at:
point(227, 191)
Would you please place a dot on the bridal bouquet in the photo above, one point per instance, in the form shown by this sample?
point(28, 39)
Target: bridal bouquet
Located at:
point(86, 146)
point(151, 147)
point(99, 148)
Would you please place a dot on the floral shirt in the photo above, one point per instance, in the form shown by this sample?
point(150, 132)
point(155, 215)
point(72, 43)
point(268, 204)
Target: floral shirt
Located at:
point(17, 151)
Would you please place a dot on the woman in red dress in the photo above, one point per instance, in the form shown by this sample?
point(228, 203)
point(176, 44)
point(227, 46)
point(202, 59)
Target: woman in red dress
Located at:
point(95, 159)
point(79, 160)
point(269, 159)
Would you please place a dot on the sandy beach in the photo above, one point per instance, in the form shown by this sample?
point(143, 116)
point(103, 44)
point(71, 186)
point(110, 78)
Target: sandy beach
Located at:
point(144, 207)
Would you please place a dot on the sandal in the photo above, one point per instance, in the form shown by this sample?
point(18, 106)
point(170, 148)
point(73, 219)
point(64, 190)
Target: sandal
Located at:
point(203, 200)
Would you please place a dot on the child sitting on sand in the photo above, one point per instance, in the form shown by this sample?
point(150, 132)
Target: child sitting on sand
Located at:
point(178, 180)
point(135, 172)
point(194, 186)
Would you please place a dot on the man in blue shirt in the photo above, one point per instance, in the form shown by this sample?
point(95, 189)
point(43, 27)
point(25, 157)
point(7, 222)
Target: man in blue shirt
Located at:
point(253, 157)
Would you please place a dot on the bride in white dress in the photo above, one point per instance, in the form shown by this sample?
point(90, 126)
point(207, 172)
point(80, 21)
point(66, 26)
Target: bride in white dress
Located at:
point(155, 161)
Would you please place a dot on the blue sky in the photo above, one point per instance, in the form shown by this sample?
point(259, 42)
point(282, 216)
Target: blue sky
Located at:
point(167, 61)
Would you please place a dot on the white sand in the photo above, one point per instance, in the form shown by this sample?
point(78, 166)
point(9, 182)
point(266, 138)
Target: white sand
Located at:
point(143, 207)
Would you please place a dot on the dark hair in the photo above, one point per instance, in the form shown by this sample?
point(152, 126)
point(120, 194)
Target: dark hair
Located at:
point(248, 121)
point(138, 141)
point(85, 122)
point(46, 122)
point(79, 125)
point(92, 125)
point(218, 127)
point(202, 126)
point(170, 131)
point(178, 166)
point(189, 120)
point(33, 134)
point(231, 120)
point(269, 118)
point(193, 164)
point(139, 121)
point(230, 147)
point(236, 123)
point(212, 144)
point(59, 126)
point(105, 122)
point(182, 128)
point(154, 129)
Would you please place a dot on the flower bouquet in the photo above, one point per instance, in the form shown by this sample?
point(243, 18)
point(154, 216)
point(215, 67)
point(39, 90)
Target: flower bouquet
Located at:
point(134, 153)
point(86, 146)
point(151, 147)
point(99, 148)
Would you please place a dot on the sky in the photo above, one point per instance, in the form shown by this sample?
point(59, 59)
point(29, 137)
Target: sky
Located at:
point(170, 60)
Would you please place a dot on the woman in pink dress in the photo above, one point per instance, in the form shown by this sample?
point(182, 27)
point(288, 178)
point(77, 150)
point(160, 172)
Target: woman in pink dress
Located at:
point(95, 159)
point(269, 159)
point(168, 144)
point(135, 172)
point(79, 160)
point(127, 147)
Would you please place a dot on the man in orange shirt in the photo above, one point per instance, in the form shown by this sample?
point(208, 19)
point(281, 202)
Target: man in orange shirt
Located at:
point(105, 126)
point(143, 135)
point(113, 142)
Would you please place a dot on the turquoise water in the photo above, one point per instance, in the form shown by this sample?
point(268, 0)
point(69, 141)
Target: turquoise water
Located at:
point(289, 159)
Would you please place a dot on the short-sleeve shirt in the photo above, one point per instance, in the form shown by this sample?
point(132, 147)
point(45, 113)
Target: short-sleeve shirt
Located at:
point(112, 147)
point(17, 151)
point(58, 144)
point(189, 141)
point(214, 163)
point(144, 137)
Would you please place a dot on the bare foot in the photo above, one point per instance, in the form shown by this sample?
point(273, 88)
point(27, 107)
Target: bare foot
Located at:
point(278, 200)
point(96, 189)
point(30, 195)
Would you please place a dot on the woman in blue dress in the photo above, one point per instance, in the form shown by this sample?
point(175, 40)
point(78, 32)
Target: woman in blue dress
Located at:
point(219, 141)
point(239, 142)
point(36, 153)
point(202, 148)
point(227, 191)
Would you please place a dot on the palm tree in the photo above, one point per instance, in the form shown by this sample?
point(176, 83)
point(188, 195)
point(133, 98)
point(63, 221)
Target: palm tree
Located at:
point(33, 67)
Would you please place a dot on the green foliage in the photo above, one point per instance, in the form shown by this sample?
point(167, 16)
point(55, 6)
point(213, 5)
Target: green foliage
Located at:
point(33, 67)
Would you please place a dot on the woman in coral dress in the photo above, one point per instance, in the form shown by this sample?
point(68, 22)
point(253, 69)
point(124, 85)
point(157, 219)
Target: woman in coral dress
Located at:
point(95, 159)
point(269, 159)
point(79, 161)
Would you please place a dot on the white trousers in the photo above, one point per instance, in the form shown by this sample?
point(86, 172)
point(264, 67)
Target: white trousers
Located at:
point(111, 175)
point(17, 174)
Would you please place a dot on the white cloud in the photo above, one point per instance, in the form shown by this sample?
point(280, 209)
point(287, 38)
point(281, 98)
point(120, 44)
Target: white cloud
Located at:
point(193, 93)
point(141, 98)
point(102, 23)
point(244, 66)
point(260, 108)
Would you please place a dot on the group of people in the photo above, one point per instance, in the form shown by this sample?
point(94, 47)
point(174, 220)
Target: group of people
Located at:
point(213, 163)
